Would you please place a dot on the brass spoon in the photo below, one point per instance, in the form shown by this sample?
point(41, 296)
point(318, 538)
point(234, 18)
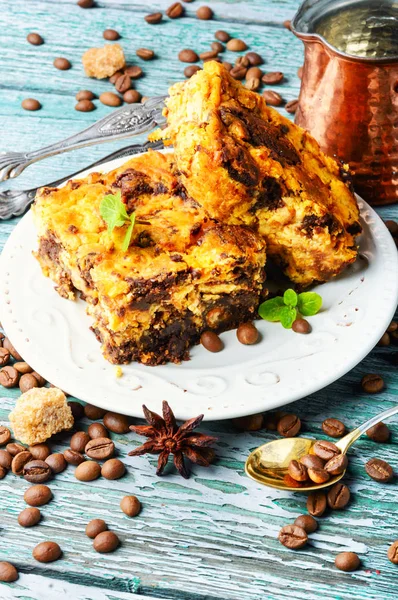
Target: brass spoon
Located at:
point(268, 464)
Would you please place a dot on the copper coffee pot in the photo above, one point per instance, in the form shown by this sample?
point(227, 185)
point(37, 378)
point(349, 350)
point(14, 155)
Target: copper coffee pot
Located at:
point(349, 92)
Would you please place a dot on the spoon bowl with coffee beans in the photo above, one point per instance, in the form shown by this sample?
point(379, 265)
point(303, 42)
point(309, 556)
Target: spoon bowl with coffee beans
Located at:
point(303, 464)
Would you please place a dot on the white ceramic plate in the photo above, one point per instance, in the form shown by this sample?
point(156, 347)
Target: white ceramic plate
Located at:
point(53, 336)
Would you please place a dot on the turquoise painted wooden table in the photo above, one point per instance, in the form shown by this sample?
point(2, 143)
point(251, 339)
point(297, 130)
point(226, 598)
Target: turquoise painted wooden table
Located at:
point(214, 536)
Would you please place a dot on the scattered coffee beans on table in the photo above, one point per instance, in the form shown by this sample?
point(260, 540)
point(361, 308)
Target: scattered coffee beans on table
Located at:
point(289, 425)
point(393, 552)
point(333, 428)
point(29, 517)
point(306, 522)
point(316, 503)
point(379, 470)
point(94, 527)
point(379, 433)
point(94, 412)
point(113, 469)
point(347, 561)
point(372, 384)
point(116, 422)
point(57, 462)
point(153, 18)
point(96, 430)
point(47, 552)
point(31, 104)
point(106, 541)
point(8, 572)
point(35, 39)
point(293, 537)
point(88, 471)
point(130, 505)
point(249, 423)
point(338, 496)
point(38, 495)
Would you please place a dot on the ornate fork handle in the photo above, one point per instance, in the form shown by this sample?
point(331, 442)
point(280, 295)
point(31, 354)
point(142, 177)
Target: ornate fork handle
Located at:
point(122, 123)
point(14, 202)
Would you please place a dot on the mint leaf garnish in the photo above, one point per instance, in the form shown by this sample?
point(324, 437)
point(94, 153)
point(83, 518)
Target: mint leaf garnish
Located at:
point(288, 315)
point(290, 298)
point(270, 309)
point(114, 213)
point(309, 303)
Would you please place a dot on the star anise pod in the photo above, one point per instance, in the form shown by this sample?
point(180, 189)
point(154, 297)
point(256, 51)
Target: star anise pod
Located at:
point(165, 438)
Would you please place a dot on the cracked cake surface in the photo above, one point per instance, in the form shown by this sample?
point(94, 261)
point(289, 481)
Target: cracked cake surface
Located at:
point(247, 164)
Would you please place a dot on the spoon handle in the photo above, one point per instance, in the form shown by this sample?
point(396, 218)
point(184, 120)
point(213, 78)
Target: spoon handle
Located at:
point(354, 435)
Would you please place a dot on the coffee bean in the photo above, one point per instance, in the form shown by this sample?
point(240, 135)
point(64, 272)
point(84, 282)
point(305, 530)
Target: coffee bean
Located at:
point(9, 377)
point(107, 541)
point(100, 448)
point(338, 496)
point(392, 226)
point(272, 78)
point(372, 384)
point(188, 56)
point(63, 64)
point(15, 449)
point(297, 470)
point(4, 357)
point(131, 97)
point(19, 461)
point(379, 433)
point(333, 428)
point(40, 380)
point(211, 341)
point(5, 435)
point(40, 451)
point(393, 326)
point(316, 503)
point(301, 326)
point(113, 78)
point(347, 561)
point(84, 95)
point(217, 47)
point(318, 475)
point(79, 441)
point(247, 334)
point(134, 72)
point(94, 412)
point(249, 423)
point(37, 495)
point(379, 470)
point(289, 426)
point(292, 106)
point(272, 98)
point(293, 537)
point(116, 422)
point(222, 36)
point(35, 39)
point(8, 572)
point(36, 471)
point(300, 72)
point(22, 367)
point(384, 340)
point(96, 430)
point(88, 471)
point(153, 18)
point(242, 61)
point(7, 344)
point(72, 457)
point(204, 13)
point(208, 55)
point(85, 106)
point(393, 552)
point(254, 73)
point(254, 59)
point(238, 73)
point(56, 462)
point(145, 53)
point(175, 10)
point(228, 66)
point(5, 459)
point(310, 460)
point(236, 45)
point(3, 472)
point(337, 465)
point(94, 527)
point(252, 84)
point(85, 3)
point(29, 517)
point(111, 34)
point(110, 99)
point(130, 505)
point(325, 450)
point(113, 469)
point(28, 382)
point(306, 522)
point(191, 70)
point(77, 410)
point(46, 552)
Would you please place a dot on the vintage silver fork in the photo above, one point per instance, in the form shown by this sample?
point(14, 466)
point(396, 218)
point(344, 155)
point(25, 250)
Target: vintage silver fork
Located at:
point(14, 202)
point(122, 123)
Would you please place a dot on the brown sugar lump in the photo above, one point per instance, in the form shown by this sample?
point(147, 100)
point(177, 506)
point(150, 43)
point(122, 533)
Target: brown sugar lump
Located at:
point(103, 62)
point(40, 413)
